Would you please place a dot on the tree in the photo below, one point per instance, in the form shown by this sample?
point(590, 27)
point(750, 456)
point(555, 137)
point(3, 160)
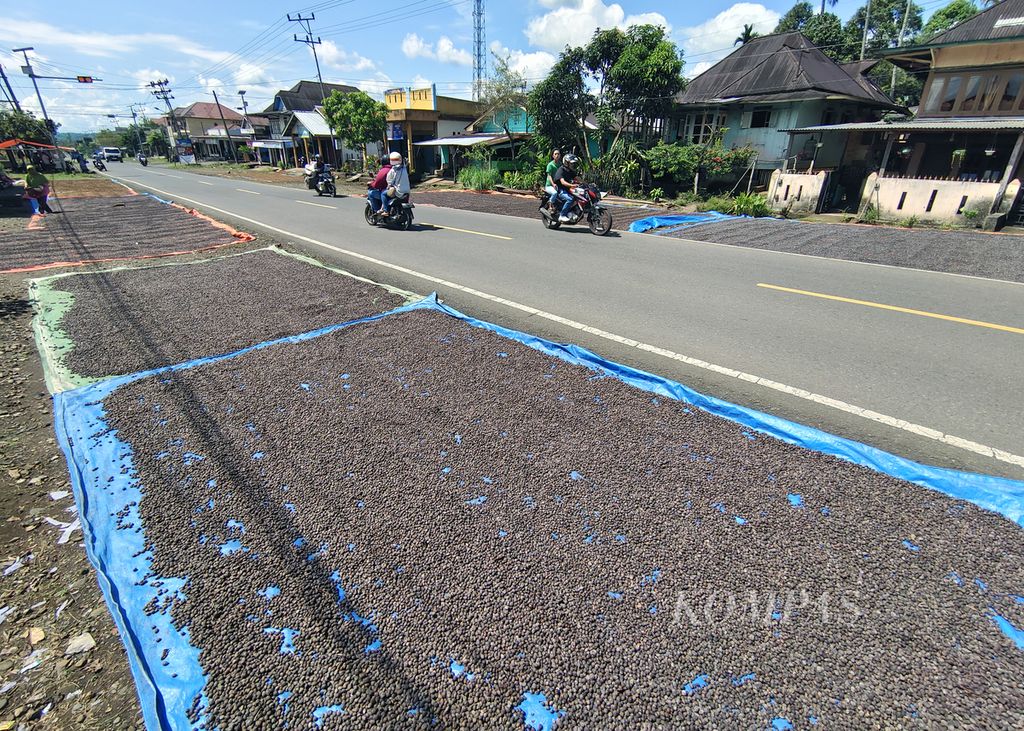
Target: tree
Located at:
point(795, 18)
point(357, 118)
point(885, 26)
point(23, 126)
point(825, 31)
point(504, 96)
point(831, 4)
point(561, 102)
point(746, 36)
point(157, 142)
point(945, 18)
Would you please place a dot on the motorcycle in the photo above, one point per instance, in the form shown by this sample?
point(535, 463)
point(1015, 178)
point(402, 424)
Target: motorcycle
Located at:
point(143, 160)
point(400, 217)
point(323, 182)
point(586, 204)
point(97, 162)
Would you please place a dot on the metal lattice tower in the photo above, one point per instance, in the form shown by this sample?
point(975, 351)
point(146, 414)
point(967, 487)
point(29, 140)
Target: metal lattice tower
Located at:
point(479, 49)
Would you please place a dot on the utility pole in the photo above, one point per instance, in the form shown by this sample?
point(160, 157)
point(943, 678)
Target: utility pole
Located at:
point(864, 39)
point(50, 127)
point(161, 90)
point(231, 143)
point(244, 108)
point(479, 50)
point(10, 91)
point(309, 41)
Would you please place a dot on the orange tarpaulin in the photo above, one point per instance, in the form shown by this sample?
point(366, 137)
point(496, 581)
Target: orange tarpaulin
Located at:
point(14, 143)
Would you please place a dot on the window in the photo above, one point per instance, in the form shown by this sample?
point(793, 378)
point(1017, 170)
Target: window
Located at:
point(702, 126)
point(931, 102)
point(1011, 91)
point(761, 118)
point(950, 93)
point(971, 93)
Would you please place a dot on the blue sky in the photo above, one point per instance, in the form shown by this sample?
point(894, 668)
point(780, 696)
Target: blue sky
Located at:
point(206, 46)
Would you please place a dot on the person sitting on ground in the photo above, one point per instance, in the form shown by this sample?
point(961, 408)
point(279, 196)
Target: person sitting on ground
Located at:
point(549, 176)
point(565, 181)
point(375, 194)
point(37, 188)
point(398, 182)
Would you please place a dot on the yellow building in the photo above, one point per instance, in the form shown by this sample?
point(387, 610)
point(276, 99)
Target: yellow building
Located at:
point(418, 115)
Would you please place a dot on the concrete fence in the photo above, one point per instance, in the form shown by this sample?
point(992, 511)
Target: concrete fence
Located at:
point(929, 199)
point(797, 192)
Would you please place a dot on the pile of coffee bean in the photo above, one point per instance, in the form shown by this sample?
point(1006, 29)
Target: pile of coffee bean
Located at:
point(415, 522)
point(130, 320)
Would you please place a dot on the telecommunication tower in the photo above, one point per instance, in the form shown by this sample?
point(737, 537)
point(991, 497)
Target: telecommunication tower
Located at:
point(479, 49)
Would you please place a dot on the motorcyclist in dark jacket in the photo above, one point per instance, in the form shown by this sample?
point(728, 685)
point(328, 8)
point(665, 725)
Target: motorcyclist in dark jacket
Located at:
point(565, 181)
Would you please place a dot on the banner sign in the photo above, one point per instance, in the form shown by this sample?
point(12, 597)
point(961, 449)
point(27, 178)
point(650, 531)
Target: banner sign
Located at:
point(186, 153)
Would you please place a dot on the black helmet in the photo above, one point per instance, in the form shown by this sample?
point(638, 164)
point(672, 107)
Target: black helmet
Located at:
point(571, 160)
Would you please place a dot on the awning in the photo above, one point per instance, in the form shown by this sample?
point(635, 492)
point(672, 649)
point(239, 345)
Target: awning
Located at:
point(959, 124)
point(272, 144)
point(315, 124)
point(6, 144)
point(461, 141)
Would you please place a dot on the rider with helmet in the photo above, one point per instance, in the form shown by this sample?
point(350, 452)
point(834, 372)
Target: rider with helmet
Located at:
point(398, 182)
point(565, 180)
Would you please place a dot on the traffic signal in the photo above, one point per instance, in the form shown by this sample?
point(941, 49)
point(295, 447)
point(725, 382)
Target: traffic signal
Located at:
point(84, 79)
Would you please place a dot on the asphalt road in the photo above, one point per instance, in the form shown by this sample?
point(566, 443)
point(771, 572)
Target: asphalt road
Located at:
point(940, 380)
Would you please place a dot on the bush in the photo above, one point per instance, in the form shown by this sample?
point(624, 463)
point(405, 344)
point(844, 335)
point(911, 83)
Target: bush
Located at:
point(720, 203)
point(657, 193)
point(751, 204)
point(476, 178)
point(518, 180)
point(870, 214)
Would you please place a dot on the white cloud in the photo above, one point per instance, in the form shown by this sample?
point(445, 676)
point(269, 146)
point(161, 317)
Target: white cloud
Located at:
point(415, 47)
point(343, 60)
point(104, 44)
point(420, 82)
point(377, 84)
point(713, 39)
point(573, 22)
point(145, 76)
point(534, 66)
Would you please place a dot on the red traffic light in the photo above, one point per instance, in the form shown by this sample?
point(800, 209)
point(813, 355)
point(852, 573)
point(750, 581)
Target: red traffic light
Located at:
point(84, 79)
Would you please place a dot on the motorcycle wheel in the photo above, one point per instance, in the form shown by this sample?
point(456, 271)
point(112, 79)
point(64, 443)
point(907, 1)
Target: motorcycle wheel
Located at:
point(404, 221)
point(334, 192)
point(368, 215)
point(601, 222)
point(550, 223)
point(319, 191)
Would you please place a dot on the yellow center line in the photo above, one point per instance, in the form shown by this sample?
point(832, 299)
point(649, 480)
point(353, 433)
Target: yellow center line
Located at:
point(243, 190)
point(894, 308)
point(321, 205)
point(467, 231)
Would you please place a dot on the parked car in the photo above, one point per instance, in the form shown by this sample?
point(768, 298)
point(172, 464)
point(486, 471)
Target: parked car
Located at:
point(111, 154)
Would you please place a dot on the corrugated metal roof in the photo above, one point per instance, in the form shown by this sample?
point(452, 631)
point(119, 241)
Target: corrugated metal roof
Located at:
point(314, 123)
point(1005, 20)
point(921, 125)
point(777, 64)
point(461, 140)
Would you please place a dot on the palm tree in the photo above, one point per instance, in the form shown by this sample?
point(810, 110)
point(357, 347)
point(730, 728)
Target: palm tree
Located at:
point(748, 34)
point(832, 3)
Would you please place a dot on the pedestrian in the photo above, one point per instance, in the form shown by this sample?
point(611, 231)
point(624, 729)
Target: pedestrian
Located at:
point(37, 190)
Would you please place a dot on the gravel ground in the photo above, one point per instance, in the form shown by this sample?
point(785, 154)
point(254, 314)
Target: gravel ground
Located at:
point(48, 595)
point(85, 230)
point(520, 206)
point(415, 522)
point(134, 319)
point(999, 256)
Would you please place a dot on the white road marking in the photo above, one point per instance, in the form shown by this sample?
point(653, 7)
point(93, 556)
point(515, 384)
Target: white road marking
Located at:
point(321, 205)
point(203, 182)
point(166, 175)
point(243, 190)
point(891, 421)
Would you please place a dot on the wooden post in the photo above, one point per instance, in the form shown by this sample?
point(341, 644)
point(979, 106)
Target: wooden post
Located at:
point(885, 156)
point(1011, 165)
point(408, 147)
point(295, 153)
point(305, 144)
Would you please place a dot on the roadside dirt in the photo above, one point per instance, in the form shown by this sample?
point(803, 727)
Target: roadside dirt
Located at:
point(48, 593)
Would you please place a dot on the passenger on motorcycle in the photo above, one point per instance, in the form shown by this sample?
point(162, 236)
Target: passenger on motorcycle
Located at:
point(375, 194)
point(398, 185)
point(565, 181)
point(549, 175)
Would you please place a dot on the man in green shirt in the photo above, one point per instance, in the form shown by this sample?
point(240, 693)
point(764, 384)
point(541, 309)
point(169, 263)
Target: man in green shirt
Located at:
point(549, 176)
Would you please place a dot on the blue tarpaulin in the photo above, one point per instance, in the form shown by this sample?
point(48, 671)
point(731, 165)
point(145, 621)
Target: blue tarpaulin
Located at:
point(677, 222)
point(105, 484)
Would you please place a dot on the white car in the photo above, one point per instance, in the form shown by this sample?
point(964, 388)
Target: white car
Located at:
point(112, 153)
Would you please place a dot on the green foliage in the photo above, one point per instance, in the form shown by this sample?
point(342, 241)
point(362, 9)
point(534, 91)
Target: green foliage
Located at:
point(656, 194)
point(870, 214)
point(357, 118)
point(561, 102)
point(620, 169)
point(677, 163)
point(720, 203)
point(970, 214)
point(504, 95)
point(478, 178)
point(157, 142)
point(751, 204)
point(518, 180)
point(884, 26)
point(22, 125)
point(825, 31)
point(795, 18)
point(747, 35)
point(945, 18)
point(909, 222)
